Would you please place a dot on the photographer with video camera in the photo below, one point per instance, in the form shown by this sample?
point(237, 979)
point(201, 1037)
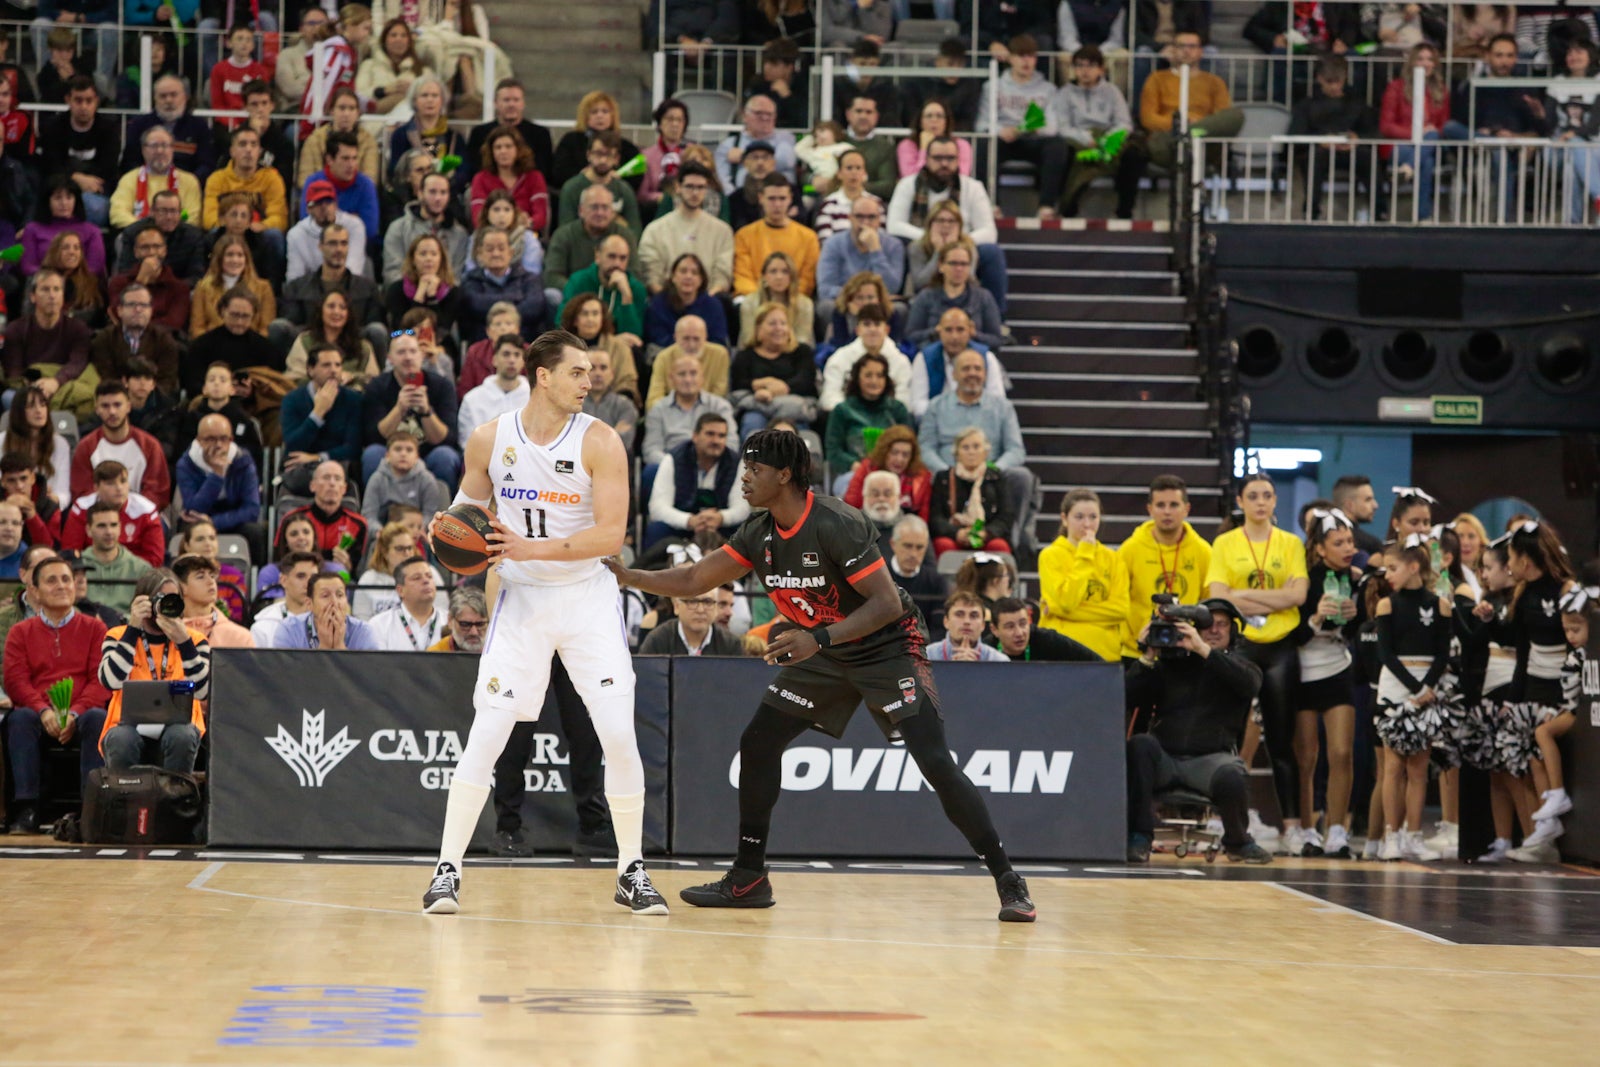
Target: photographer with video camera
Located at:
point(1200, 690)
point(154, 645)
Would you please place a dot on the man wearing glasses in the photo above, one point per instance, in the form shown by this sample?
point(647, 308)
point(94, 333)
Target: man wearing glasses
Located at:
point(940, 179)
point(186, 246)
point(694, 632)
point(133, 335)
point(409, 398)
point(135, 193)
point(863, 247)
point(688, 227)
point(760, 124)
point(168, 293)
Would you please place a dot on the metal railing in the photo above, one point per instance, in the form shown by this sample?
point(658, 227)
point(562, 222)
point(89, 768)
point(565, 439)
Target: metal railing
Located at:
point(1486, 181)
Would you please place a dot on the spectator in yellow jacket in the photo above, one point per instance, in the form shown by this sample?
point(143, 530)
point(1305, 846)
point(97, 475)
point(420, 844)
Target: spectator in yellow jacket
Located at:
point(245, 174)
point(775, 231)
point(136, 191)
point(1164, 555)
point(1083, 584)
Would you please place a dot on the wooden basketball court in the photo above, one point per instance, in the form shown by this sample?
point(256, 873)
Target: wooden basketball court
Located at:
point(219, 958)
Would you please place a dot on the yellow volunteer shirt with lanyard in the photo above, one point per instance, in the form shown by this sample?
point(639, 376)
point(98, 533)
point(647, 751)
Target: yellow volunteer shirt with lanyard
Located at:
point(1153, 567)
point(1239, 563)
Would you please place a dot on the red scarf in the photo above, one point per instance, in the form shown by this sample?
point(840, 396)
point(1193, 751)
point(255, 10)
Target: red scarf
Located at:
point(141, 190)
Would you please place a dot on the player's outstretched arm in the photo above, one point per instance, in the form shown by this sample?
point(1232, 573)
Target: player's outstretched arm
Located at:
point(607, 463)
point(718, 568)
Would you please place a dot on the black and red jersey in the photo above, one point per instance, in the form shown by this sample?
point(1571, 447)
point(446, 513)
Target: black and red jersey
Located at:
point(810, 570)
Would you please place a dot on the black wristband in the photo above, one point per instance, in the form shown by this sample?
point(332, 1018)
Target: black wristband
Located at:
point(821, 636)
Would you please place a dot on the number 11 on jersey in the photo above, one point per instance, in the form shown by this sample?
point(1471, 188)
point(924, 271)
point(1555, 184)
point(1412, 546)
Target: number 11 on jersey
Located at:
point(527, 517)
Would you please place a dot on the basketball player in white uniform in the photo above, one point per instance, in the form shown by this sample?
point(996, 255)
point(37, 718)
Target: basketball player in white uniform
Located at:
point(556, 483)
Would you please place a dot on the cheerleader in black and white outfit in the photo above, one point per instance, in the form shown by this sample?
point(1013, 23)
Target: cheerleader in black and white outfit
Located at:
point(1456, 728)
point(1544, 577)
point(1328, 620)
point(1414, 645)
point(1411, 515)
point(1489, 657)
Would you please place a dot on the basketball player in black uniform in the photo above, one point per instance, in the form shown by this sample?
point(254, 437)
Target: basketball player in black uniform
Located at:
point(857, 637)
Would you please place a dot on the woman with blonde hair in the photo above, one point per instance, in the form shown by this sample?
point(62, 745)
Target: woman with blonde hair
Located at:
point(862, 290)
point(1394, 122)
point(945, 226)
point(336, 49)
point(968, 508)
point(597, 111)
point(429, 125)
point(773, 378)
point(1474, 538)
point(779, 285)
point(231, 265)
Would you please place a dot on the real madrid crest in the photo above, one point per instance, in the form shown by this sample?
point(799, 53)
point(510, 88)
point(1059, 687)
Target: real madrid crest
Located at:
point(509, 459)
point(494, 683)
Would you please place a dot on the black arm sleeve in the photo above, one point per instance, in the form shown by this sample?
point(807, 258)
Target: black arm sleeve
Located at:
point(1441, 653)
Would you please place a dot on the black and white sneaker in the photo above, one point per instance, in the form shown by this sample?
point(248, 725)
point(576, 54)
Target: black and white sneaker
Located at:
point(1015, 905)
point(442, 895)
point(635, 892)
point(739, 888)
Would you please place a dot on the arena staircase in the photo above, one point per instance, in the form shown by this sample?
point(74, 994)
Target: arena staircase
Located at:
point(1104, 375)
point(562, 50)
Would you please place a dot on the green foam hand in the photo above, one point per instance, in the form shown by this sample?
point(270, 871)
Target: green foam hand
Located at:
point(1111, 144)
point(11, 255)
point(633, 168)
point(448, 164)
point(1033, 118)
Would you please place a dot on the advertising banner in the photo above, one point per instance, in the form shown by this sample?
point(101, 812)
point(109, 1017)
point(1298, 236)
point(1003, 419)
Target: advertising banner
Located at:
point(1042, 741)
point(355, 750)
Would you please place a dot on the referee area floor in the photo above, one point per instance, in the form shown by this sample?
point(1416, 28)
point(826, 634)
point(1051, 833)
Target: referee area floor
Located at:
point(124, 958)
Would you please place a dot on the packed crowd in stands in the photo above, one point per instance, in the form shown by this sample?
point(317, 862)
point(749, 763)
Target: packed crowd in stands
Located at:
point(242, 375)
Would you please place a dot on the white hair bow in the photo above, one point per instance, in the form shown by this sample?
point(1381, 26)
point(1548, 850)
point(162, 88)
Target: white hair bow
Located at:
point(682, 555)
point(1330, 518)
point(1530, 526)
point(1579, 597)
point(1417, 540)
point(1411, 492)
point(1438, 530)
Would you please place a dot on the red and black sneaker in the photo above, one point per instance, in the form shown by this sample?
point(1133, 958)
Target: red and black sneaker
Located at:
point(739, 888)
point(1015, 906)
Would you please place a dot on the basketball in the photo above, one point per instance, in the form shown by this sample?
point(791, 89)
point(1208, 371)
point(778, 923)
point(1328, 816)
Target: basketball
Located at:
point(461, 539)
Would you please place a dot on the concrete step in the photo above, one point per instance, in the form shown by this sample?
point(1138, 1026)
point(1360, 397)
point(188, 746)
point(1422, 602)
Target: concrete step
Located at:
point(1124, 415)
point(1096, 257)
point(1091, 333)
point(1028, 281)
point(1047, 386)
point(1154, 444)
point(1096, 307)
point(1099, 359)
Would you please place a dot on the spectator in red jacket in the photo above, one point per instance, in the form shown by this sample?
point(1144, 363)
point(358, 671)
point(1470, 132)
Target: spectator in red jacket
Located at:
point(333, 520)
point(1394, 122)
point(117, 438)
point(139, 529)
point(229, 77)
point(169, 294)
point(507, 163)
point(19, 485)
point(57, 643)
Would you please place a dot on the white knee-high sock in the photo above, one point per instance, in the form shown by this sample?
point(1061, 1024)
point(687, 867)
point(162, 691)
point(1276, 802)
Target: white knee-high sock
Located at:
point(460, 818)
point(627, 820)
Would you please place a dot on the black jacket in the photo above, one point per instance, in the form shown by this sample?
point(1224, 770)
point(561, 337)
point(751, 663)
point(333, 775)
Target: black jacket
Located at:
point(1036, 17)
point(188, 252)
point(1188, 16)
point(1200, 705)
point(1047, 646)
point(1343, 22)
point(700, 20)
point(303, 295)
point(63, 150)
point(1324, 115)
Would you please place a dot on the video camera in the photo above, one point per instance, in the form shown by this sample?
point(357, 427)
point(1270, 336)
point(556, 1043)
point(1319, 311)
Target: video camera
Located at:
point(1163, 636)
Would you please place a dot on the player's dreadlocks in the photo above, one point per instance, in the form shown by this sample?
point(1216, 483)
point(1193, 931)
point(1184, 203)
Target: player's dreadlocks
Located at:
point(784, 450)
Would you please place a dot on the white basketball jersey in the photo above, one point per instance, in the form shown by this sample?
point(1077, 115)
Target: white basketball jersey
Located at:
point(543, 491)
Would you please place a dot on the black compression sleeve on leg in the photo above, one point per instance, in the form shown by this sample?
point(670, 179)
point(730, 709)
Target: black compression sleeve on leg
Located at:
point(760, 779)
point(963, 804)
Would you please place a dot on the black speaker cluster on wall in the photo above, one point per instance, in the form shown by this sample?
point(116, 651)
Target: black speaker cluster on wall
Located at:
point(1303, 369)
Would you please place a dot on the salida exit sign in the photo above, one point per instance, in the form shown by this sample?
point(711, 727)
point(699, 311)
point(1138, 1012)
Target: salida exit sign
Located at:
point(1437, 410)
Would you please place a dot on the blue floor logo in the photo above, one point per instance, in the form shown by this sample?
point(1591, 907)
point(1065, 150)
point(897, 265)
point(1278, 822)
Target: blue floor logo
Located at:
point(315, 1016)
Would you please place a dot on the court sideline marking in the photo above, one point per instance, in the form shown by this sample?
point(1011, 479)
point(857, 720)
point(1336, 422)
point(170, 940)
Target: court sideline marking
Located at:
point(1328, 905)
point(645, 927)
